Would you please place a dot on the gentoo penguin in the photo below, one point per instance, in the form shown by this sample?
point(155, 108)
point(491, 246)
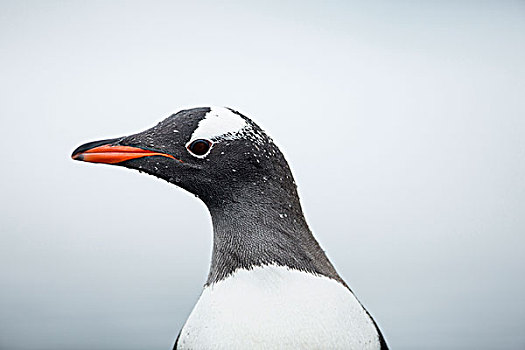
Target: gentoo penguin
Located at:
point(270, 285)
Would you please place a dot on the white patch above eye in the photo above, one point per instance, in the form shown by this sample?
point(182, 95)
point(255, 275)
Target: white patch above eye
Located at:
point(218, 122)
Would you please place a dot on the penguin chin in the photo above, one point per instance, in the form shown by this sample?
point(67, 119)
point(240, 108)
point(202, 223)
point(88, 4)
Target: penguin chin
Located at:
point(179, 174)
point(159, 167)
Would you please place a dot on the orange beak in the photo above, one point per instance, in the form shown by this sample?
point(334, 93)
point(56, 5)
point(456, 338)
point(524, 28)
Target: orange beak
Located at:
point(115, 154)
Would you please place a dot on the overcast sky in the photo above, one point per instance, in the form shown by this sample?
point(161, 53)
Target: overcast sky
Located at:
point(404, 124)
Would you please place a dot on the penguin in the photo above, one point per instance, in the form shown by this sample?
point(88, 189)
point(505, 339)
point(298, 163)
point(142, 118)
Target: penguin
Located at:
point(270, 285)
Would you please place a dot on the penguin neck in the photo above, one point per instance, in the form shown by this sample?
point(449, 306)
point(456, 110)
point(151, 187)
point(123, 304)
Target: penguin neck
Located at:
point(263, 226)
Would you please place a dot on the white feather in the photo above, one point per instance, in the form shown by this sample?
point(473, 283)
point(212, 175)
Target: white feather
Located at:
point(274, 307)
point(218, 122)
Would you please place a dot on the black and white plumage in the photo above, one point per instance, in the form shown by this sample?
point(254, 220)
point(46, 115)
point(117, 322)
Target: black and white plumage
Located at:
point(270, 285)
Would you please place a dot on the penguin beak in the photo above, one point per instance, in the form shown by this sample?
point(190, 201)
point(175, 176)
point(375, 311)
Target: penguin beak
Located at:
point(106, 151)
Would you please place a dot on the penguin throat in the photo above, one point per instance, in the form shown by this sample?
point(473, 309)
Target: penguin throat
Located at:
point(256, 233)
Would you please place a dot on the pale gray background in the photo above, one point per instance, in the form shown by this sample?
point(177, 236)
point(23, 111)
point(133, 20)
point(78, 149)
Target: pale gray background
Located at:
point(403, 122)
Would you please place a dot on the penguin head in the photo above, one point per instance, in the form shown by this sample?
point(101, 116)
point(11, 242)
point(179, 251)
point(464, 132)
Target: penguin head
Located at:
point(215, 153)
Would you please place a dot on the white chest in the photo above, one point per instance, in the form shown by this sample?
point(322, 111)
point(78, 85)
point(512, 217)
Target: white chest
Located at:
point(273, 307)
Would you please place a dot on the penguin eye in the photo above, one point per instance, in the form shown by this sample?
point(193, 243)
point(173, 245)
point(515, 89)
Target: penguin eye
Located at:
point(199, 147)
